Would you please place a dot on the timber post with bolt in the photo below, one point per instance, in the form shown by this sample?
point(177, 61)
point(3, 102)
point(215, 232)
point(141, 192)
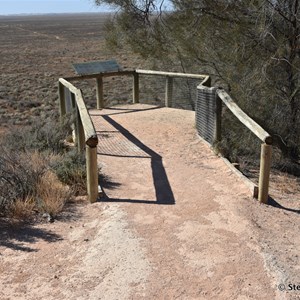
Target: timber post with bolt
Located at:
point(99, 90)
point(264, 174)
point(74, 126)
point(62, 101)
point(92, 173)
point(135, 89)
point(169, 91)
point(80, 136)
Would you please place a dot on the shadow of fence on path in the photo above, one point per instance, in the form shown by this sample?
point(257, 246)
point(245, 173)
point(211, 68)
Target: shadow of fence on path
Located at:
point(163, 190)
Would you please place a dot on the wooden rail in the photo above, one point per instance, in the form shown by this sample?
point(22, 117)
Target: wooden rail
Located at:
point(171, 74)
point(169, 82)
point(135, 87)
point(85, 134)
point(266, 148)
point(244, 118)
point(101, 75)
point(99, 83)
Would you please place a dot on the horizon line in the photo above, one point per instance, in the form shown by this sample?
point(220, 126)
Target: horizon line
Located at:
point(56, 13)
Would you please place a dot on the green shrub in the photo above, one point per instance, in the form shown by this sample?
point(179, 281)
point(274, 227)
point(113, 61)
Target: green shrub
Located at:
point(71, 170)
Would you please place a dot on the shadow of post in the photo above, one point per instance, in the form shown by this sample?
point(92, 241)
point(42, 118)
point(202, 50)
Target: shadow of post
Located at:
point(274, 203)
point(163, 190)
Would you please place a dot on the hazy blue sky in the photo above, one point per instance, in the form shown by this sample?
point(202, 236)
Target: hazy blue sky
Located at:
point(48, 6)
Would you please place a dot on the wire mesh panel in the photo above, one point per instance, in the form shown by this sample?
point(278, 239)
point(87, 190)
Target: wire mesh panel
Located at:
point(88, 88)
point(117, 90)
point(206, 117)
point(185, 93)
point(152, 89)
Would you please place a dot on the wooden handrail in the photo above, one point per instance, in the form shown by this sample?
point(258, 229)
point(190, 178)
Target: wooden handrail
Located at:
point(244, 118)
point(264, 136)
point(91, 138)
point(206, 81)
point(90, 134)
point(85, 134)
point(100, 75)
point(169, 82)
point(171, 74)
point(68, 85)
point(219, 95)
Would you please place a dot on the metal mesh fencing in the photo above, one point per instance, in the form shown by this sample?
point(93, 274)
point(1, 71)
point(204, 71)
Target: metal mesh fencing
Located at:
point(116, 90)
point(185, 93)
point(88, 88)
point(152, 89)
point(206, 121)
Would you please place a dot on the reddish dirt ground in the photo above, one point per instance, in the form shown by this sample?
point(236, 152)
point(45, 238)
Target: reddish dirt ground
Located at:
point(175, 223)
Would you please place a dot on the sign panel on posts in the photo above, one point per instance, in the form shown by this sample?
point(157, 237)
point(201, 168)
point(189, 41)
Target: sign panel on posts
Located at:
point(96, 67)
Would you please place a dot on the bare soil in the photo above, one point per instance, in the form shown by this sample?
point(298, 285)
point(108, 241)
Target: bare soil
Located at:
point(37, 50)
point(175, 222)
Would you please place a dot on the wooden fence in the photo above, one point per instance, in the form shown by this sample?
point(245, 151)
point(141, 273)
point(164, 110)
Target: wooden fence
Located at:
point(86, 137)
point(85, 134)
point(219, 96)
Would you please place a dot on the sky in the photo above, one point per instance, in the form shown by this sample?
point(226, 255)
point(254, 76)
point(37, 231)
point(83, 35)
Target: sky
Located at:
point(10, 7)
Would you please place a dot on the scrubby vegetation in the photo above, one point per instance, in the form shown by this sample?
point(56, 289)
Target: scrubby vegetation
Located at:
point(38, 172)
point(251, 48)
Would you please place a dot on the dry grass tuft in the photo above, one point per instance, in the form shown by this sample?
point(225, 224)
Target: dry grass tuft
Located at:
point(21, 210)
point(52, 194)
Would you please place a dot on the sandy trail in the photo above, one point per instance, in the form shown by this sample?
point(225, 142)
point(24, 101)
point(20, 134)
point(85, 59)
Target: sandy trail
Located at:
point(175, 223)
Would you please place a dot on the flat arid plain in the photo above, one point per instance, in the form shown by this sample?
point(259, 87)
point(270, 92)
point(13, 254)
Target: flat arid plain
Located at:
point(211, 241)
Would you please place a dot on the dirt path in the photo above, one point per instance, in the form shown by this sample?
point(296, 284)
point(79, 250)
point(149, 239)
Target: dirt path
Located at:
point(175, 223)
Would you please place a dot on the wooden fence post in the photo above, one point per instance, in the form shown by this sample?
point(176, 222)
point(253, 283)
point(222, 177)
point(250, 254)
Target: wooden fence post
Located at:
point(135, 89)
point(264, 174)
point(99, 90)
point(169, 91)
point(80, 137)
point(73, 101)
point(62, 101)
point(79, 131)
point(74, 126)
point(68, 100)
point(92, 173)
